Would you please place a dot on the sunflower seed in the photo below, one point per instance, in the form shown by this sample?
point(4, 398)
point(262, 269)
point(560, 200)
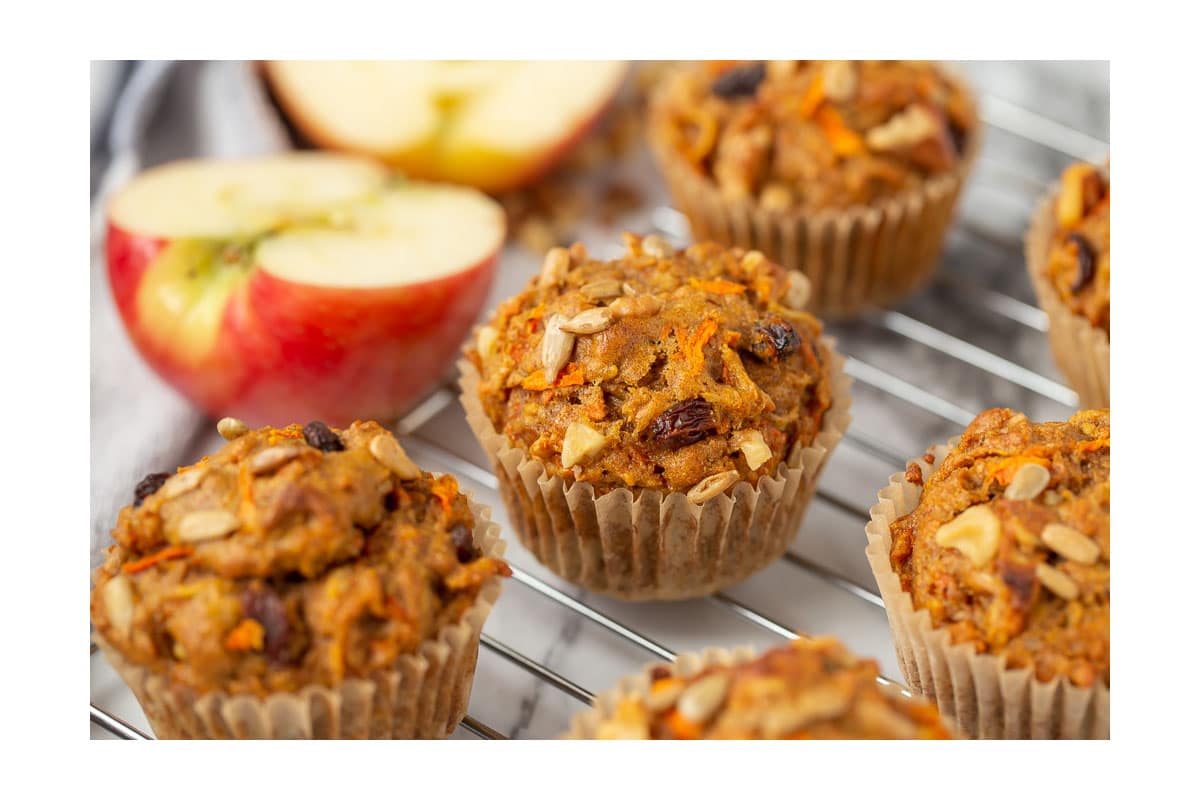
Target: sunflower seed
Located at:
point(1028, 482)
point(554, 267)
point(657, 246)
point(702, 699)
point(1070, 543)
point(231, 428)
point(183, 482)
point(200, 526)
point(272, 458)
point(593, 320)
point(388, 452)
point(1057, 581)
point(602, 290)
point(557, 346)
point(642, 305)
point(712, 486)
point(486, 340)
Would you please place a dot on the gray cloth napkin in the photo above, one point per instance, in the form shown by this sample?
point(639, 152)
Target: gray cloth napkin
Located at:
point(164, 111)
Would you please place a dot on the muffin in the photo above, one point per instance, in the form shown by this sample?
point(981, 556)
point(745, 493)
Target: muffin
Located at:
point(992, 556)
point(808, 689)
point(1066, 251)
point(847, 170)
point(657, 422)
point(301, 582)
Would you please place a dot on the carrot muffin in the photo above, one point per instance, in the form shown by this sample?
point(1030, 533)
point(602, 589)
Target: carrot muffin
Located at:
point(848, 170)
point(809, 689)
point(1004, 551)
point(298, 563)
point(1067, 253)
point(658, 374)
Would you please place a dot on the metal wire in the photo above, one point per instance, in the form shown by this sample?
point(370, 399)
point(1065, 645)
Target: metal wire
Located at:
point(997, 113)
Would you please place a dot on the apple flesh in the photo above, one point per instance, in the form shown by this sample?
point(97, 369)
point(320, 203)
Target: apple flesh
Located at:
point(299, 287)
point(493, 125)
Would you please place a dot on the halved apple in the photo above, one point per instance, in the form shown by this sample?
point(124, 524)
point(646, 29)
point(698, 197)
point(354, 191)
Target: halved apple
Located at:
point(494, 125)
point(298, 287)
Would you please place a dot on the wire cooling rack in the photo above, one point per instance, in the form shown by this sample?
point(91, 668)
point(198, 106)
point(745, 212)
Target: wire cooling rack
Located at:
point(972, 340)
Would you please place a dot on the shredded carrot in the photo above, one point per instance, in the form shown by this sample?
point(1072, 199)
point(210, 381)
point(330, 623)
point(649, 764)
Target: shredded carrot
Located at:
point(535, 317)
point(845, 142)
point(693, 346)
point(814, 95)
point(1092, 446)
point(395, 610)
point(718, 286)
point(167, 553)
point(572, 375)
point(445, 488)
point(681, 726)
point(1004, 471)
point(248, 635)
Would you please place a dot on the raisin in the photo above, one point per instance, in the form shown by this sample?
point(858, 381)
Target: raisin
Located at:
point(658, 672)
point(958, 137)
point(263, 604)
point(772, 339)
point(390, 501)
point(740, 81)
point(464, 544)
point(318, 435)
point(1086, 257)
point(148, 486)
point(685, 423)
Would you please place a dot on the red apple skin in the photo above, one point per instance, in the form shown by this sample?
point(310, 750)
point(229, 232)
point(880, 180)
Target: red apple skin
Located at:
point(288, 352)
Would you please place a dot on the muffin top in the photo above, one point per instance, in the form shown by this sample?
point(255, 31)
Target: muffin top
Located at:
point(1078, 261)
point(809, 689)
point(292, 556)
point(811, 135)
point(671, 370)
point(1008, 547)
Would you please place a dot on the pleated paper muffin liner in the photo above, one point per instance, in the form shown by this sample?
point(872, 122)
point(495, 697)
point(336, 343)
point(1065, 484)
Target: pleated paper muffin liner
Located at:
point(857, 258)
point(1080, 348)
point(651, 545)
point(988, 700)
point(424, 696)
point(585, 724)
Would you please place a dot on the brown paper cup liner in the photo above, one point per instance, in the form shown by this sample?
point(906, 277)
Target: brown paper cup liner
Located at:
point(650, 545)
point(424, 696)
point(1080, 348)
point(585, 724)
point(857, 258)
point(987, 700)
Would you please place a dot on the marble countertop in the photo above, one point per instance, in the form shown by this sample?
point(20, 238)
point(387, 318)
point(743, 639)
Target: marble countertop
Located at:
point(1040, 117)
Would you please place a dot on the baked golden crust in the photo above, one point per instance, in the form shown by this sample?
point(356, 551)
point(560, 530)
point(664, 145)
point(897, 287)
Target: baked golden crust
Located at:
point(290, 557)
point(809, 689)
point(1008, 547)
point(1077, 264)
point(813, 135)
point(668, 367)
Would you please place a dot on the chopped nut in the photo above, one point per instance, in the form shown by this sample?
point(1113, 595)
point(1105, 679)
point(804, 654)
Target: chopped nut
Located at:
point(905, 129)
point(702, 699)
point(557, 346)
point(554, 267)
point(1028, 482)
point(1070, 543)
point(200, 526)
point(753, 447)
point(642, 305)
point(183, 482)
point(602, 290)
point(657, 246)
point(593, 320)
point(1057, 581)
point(231, 428)
point(798, 291)
point(118, 602)
point(841, 81)
point(485, 340)
point(975, 533)
point(580, 442)
point(712, 486)
point(781, 69)
point(388, 452)
point(271, 458)
point(775, 197)
point(751, 259)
